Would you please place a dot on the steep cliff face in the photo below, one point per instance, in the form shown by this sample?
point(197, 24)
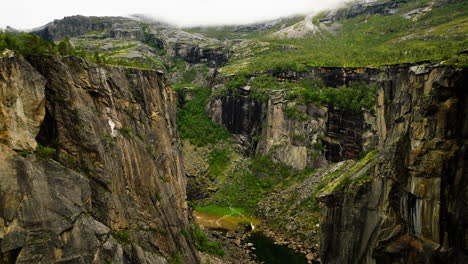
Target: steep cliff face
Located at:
point(414, 208)
point(297, 134)
point(240, 115)
point(144, 39)
point(106, 183)
point(292, 133)
point(331, 76)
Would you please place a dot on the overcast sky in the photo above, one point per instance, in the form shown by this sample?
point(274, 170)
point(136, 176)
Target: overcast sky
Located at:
point(27, 14)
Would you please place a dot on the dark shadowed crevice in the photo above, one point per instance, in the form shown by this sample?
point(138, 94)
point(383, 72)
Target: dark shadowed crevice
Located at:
point(12, 255)
point(344, 131)
point(48, 132)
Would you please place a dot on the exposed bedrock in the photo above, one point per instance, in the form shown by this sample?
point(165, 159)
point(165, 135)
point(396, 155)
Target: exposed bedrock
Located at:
point(414, 208)
point(297, 134)
point(106, 183)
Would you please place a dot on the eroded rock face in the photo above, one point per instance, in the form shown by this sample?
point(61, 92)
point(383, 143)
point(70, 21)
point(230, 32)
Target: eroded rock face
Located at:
point(331, 76)
point(115, 189)
point(22, 107)
point(100, 33)
point(364, 8)
point(292, 133)
point(344, 134)
point(301, 136)
point(73, 26)
point(414, 209)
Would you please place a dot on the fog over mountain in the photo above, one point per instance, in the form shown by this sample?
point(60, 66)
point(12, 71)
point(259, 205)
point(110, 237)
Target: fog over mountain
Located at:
point(178, 12)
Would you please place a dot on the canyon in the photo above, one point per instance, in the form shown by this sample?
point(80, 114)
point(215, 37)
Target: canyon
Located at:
point(141, 142)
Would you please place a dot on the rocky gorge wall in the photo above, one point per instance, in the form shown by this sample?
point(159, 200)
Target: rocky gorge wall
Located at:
point(106, 184)
point(150, 35)
point(296, 134)
point(413, 210)
point(405, 204)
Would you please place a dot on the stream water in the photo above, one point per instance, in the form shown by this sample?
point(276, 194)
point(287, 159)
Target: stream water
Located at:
point(267, 251)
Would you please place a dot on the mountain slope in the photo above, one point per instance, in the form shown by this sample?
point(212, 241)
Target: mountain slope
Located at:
point(415, 31)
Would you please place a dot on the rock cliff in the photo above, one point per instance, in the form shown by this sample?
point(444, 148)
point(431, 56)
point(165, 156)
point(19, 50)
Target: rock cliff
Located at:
point(144, 41)
point(403, 202)
point(299, 135)
point(413, 208)
point(90, 165)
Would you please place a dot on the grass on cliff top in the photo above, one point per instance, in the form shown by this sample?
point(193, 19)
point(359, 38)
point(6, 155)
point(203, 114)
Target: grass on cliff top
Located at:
point(240, 32)
point(371, 41)
point(355, 96)
point(30, 44)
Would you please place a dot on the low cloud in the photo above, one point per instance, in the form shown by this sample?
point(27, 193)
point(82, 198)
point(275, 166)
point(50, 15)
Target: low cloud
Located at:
point(25, 14)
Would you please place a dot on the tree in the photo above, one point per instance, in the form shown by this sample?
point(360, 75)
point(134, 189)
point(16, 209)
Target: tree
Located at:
point(64, 47)
point(97, 58)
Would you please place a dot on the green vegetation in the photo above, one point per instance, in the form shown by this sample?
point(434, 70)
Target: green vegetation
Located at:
point(214, 209)
point(355, 97)
point(246, 186)
point(193, 122)
point(30, 44)
point(176, 258)
point(24, 152)
point(45, 152)
point(237, 82)
point(349, 177)
point(373, 41)
point(128, 132)
point(151, 41)
point(319, 146)
point(202, 242)
point(262, 84)
point(218, 161)
point(122, 236)
point(346, 175)
point(148, 64)
point(239, 32)
point(293, 113)
point(259, 86)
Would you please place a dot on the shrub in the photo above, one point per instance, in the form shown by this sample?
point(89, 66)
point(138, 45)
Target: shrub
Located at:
point(122, 237)
point(202, 242)
point(128, 132)
point(45, 152)
point(318, 146)
point(356, 96)
point(218, 161)
point(237, 82)
point(293, 113)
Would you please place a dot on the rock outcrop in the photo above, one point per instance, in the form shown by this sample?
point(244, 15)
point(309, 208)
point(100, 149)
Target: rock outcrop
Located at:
point(363, 8)
point(90, 167)
point(296, 134)
point(145, 40)
point(413, 210)
point(74, 26)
